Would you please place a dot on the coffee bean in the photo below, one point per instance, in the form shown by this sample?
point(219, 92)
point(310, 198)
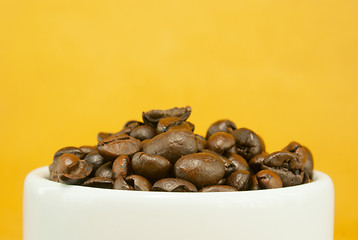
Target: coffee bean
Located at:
point(152, 167)
point(229, 166)
point(254, 183)
point(76, 173)
point(286, 165)
point(222, 181)
point(138, 183)
point(121, 144)
point(121, 166)
point(71, 150)
point(200, 142)
point(308, 166)
point(256, 162)
point(88, 149)
point(172, 144)
point(121, 184)
point(173, 185)
point(152, 117)
point(268, 179)
point(221, 126)
point(218, 188)
point(103, 135)
point(60, 164)
point(220, 142)
point(95, 159)
point(240, 179)
point(239, 162)
point(166, 123)
point(143, 132)
point(306, 177)
point(104, 171)
point(201, 169)
point(132, 124)
point(99, 182)
point(248, 143)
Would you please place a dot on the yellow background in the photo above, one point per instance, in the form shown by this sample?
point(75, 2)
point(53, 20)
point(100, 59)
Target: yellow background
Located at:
point(286, 69)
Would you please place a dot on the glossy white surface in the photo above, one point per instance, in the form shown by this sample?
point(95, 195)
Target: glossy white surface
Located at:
point(54, 211)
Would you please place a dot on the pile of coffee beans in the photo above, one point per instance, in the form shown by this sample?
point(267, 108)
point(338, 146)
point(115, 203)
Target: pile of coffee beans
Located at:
point(162, 153)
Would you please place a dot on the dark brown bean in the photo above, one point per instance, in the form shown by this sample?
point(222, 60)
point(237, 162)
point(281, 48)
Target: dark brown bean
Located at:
point(256, 162)
point(143, 132)
point(121, 144)
point(229, 166)
point(95, 159)
point(239, 162)
point(104, 171)
point(138, 183)
point(152, 167)
point(200, 142)
point(240, 179)
point(121, 166)
point(152, 117)
point(173, 185)
point(308, 166)
point(220, 142)
point(76, 173)
point(268, 179)
point(286, 165)
point(121, 184)
point(224, 125)
point(60, 164)
point(88, 149)
point(103, 135)
point(71, 150)
point(172, 144)
point(99, 182)
point(218, 188)
point(248, 143)
point(201, 169)
point(254, 183)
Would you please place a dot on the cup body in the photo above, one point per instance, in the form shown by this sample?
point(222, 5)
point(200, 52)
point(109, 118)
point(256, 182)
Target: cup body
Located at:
point(56, 211)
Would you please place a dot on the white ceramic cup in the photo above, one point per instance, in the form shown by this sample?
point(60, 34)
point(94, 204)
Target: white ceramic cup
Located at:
point(54, 211)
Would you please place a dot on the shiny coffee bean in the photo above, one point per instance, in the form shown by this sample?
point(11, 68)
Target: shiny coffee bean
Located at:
point(183, 126)
point(256, 162)
point(99, 182)
point(218, 188)
point(166, 123)
point(76, 173)
point(143, 132)
point(248, 143)
point(296, 148)
point(286, 165)
point(152, 117)
point(104, 171)
point(240, 180)
point(71, 150)
point(239, 162)
point(172, 144)
point(95, 159)
point(220, 142)
point(132, 124)
point(152, 167)
point(103, 135)
point(268, 179)
point(200, 142)
point(254, 183)
point(121, 184)
point(221, 126)
point(308, 166)
point(201, 169)
point(138, 183)
point(232, 150)
point(173, 185)
point(229, 166)
point(121, 144)
point(88, 149)
point(60, 164)
point(121, 166)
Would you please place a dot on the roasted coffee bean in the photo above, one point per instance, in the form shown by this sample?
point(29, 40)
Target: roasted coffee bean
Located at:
point(220, 142)
point(229, 166)
point(221, 126)
point(138, 183)
point(239, 162)
point(95, 159)
point(256, 162)
point(143, 132)
point(183, 126)
point(286, 165)
point(152, 117)
point(76, 173)
point(60, 164)
point(88, 149)
point(121, 184)
point(306, 177)
point(166, 123)
point(173, 185)
point(268, 179)
point(304, 155)
point(200, 142)
point(201, 169)
point(222, 181)
point(132, 124)
point(103, 135)
point(232, 150)
point(254, 183)
point(71, 150)
point(248, 143)
point(152, 167)
point(121, 166)
point(240, 179)
point(121, 144)
point(172, 144)
point(104, 171)
point(308, 166)
point(218, 188)
point(99, 182)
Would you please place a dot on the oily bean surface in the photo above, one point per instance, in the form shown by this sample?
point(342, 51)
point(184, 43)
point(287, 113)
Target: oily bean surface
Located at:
point(117, 145)
point(104, 171)
point(224, 125)
point(268, 179)
point(76, 173)
point(220, 142)
point(229, 166)
point(143, 132)
point(121, 166)
point(152, 117)
point(95, 159)
point(70, 150)
point(138, 183)
point(173, 185)
point(239, 162)
point(256, 162)
point(201, 169)
point(60, 164)
point(121, 184)
point(248, 143)
point(88, 149)
point(240, 179)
